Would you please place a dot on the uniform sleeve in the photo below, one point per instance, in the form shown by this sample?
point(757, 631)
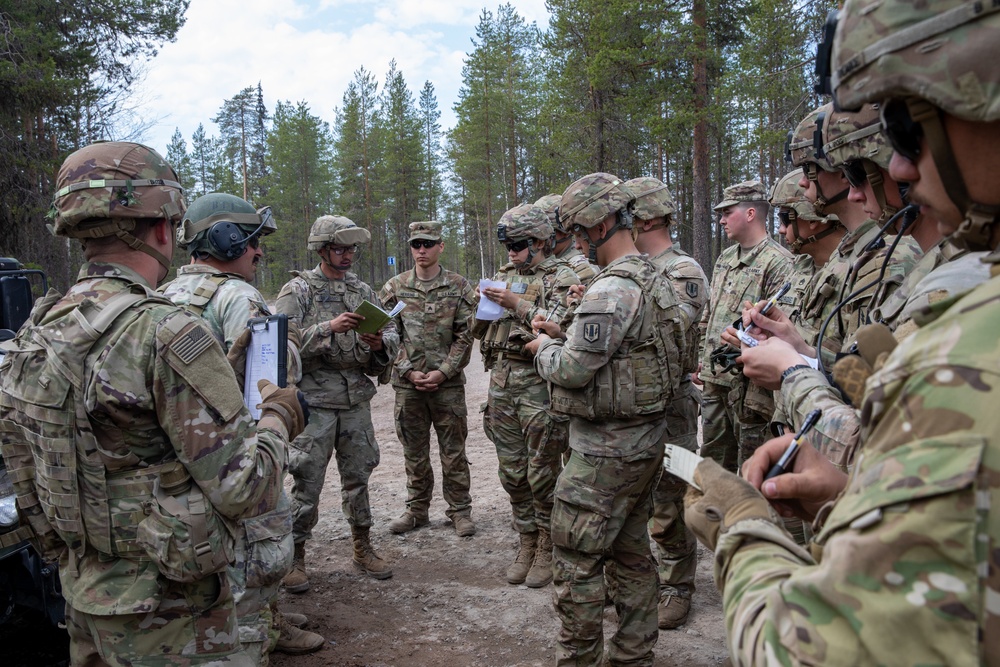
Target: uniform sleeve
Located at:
point(234, 307)
point(602, 319)
point(380, 359)
point(555, 301)
point(387, 297)
point(201, 409)
point(838, 434)
point(293, 301)
point(460, 350)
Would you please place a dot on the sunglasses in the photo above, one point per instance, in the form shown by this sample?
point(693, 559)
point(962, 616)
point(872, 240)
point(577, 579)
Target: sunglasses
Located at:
point(518, 246)
point(422, 243)
point(787, 216)
point(855, 173)
point(343, 249)
point(254, 242)
point(904, 133)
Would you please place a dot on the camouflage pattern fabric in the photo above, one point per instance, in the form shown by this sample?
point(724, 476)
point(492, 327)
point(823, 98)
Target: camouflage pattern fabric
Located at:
point(676, 547)
point(909, 549)
point(741, 193)
point(436, 334)
point(603, 496)
point(577, 261)
point(153, 390)
point(735, 412)
point(530, 440)
point(349, 434)
point(263, 553)
point(334, 380)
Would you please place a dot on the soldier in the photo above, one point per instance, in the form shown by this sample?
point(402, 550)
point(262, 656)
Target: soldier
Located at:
point(905, 566)
point(629, 325)
point(676, 548)
point(223, 235)
point(530, 440)
point(564, 248)
point(435, 328)
point(736, 412)
point(336, 361)
point(117, 399)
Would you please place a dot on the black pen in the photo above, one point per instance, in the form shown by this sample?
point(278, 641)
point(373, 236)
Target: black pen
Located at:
point(784, 464)
point(772, 301)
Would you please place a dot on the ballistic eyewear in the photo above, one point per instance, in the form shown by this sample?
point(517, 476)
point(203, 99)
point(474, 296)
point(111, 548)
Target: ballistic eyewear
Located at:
point(518, 246)
point(903, 133)
point(423, 243)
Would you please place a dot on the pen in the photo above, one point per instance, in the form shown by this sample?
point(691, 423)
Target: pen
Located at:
point(770, 302)
point(784, 464)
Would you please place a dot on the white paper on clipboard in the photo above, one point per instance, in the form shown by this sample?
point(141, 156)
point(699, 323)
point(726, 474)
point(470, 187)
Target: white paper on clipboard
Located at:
point(681, 463)
point(267, 357)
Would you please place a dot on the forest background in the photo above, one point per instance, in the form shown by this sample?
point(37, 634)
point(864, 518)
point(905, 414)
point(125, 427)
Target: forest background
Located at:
point(700, 94)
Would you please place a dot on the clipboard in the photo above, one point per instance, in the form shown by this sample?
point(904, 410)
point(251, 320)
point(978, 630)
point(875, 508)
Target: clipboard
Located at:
point(267, 357)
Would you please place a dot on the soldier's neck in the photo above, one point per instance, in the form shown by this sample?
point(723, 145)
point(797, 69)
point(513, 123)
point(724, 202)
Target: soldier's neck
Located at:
point(427, 273)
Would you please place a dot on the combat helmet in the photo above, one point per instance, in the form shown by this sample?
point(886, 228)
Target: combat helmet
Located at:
point(801, 151)
point(222, 225)
point(336, 230)
point(787, 190)
point(525, 223)
point(592, 199)
point(791, 212)
point(652, 198)
point(550, 204)
point(104, 188)
point(916, 60)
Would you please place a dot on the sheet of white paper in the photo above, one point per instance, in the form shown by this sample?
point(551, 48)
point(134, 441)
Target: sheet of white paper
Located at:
point(262, 363)
point(489, 310)
point(680, 462)
point(397, 309)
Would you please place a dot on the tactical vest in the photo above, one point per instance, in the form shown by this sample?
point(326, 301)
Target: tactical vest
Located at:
point(509, 333)
point(202, 295)
point(87, 494)
point(327, 299)
point(644, 373)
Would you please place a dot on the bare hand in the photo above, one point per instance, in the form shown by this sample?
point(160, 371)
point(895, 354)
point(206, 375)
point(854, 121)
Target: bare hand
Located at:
point(532, 346)
point(696, 377)
point(576, 291)
point(504, 296)
point(775, 324)
point(345, 322)
point(812, 482)
point(765, 363)
point(551, 329)
point(374, 341)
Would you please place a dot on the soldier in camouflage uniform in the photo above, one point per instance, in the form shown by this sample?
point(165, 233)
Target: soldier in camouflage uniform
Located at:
point(630, 324)
point(429, 380)
point(676, 548)
point(223, 235)
point(736, 412)
point(905, 568)
point(529, 438)
point(336, 361)
point(564, 248)
point(121, 401)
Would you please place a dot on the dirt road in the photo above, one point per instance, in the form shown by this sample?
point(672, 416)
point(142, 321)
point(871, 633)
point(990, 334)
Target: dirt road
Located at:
point(447, 604)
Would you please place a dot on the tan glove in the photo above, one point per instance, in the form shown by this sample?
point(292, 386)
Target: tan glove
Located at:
point(287, 404)
point(725, 500)
point(874, 342)
point(237, 356)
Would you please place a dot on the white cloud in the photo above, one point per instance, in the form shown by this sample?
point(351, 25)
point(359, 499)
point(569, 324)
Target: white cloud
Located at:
point(307, 51)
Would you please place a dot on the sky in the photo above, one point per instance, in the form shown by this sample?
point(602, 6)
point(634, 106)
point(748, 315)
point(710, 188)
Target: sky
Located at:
point(307, 50)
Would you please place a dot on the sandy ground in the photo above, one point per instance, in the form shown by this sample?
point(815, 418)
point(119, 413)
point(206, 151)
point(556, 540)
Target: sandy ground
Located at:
point(448, 604)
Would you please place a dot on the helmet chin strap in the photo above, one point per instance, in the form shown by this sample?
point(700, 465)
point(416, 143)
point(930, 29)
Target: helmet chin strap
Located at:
point(532, 251)
point(612, 230)
point(137, 244)
point(822, 201)
point(979, 220)
point(877, 180)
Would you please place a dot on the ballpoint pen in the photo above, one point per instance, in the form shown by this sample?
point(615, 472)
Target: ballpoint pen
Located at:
point(784, 464)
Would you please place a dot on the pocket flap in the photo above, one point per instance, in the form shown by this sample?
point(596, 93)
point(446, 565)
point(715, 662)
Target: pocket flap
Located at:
point(581, 494)
point(270, 526)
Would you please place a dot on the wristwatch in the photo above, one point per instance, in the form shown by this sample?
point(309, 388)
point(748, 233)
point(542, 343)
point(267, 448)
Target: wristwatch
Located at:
point(791, 369)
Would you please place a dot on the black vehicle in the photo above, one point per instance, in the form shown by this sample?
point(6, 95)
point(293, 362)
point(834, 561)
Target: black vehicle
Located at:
point(25, 579)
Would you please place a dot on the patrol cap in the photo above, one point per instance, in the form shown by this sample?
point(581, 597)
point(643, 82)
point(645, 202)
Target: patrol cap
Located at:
point(747, 191)
point(429, 230)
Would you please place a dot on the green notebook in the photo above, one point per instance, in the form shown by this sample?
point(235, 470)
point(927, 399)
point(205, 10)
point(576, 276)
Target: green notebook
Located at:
point(375, 317)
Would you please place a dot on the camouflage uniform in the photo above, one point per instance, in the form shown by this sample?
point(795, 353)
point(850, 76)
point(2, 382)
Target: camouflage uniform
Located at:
point(334, 370)
point(629, 324)
point(436, 335)
point(576, 259)
point(263, 549)
point(735, 412)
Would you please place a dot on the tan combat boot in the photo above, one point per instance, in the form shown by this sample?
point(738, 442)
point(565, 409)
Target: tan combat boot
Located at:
point(365, 556)
point(294, 641)
point(675, 603)
point(540, 573)
point(297, 581)
point(518, 570)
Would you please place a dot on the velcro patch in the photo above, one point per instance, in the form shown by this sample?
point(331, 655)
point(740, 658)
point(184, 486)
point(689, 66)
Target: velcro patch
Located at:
point(591, 332)
point(692, 290)
point(190, 346)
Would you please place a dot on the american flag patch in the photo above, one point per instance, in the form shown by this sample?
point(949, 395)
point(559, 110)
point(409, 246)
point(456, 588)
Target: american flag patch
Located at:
point(192, 344)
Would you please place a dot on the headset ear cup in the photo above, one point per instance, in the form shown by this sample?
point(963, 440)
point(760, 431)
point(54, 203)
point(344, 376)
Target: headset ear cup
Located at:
point(227, 239)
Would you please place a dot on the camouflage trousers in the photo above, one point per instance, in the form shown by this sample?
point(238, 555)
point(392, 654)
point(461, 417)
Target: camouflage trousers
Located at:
point(530, 442)
point(349, 434)
point(415, 412)
point(263, 556)
point(601, 510)
point(731, 430)
point(194, 624)
point(676, 546)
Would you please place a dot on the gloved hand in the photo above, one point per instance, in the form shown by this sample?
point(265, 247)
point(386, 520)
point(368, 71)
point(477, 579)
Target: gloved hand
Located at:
point(851, 372)
point(287, 404)
point(237, 356)
point(725, 500)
